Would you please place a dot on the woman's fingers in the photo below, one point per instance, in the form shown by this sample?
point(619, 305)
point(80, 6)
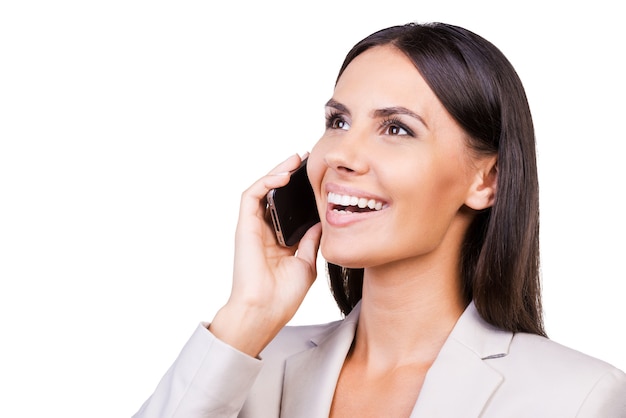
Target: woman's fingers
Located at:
point(256, 193)
point(276, 177)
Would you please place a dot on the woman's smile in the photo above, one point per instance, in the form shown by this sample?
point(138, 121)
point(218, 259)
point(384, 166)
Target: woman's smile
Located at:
point(348, 205)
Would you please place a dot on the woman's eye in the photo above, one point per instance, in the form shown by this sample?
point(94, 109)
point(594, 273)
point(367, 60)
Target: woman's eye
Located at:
point(336, 122)
point(395, 128)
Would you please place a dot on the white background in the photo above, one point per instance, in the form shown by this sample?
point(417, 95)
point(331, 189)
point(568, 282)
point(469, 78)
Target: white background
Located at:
point(129, 129)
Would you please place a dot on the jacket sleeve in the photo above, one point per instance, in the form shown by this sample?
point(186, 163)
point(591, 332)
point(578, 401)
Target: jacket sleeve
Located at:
point(208, 379)
point(607, 399)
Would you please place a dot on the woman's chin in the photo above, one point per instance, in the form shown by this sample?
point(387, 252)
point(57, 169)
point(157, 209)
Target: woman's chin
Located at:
point(344, 257)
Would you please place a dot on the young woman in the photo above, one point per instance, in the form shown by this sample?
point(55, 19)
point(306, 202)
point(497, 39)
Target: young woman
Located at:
point(425, 181)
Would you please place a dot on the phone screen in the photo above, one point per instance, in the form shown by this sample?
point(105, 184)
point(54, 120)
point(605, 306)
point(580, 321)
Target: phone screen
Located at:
point(293, 208)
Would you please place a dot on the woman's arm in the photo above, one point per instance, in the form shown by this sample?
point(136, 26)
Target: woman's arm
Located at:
point(208, 379)
point(214, 372)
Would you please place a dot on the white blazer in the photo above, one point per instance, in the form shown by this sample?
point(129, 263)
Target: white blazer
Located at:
point(481, 371)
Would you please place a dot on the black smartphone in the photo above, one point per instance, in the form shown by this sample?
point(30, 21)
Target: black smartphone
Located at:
point(293, 208)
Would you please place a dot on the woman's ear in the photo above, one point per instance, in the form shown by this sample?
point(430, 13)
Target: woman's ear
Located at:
point(482, 192)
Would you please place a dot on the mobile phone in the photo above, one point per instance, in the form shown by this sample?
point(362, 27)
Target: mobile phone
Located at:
point(293, 208)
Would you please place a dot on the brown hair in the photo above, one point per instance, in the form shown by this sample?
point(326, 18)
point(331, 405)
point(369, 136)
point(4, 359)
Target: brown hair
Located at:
point(481, 90)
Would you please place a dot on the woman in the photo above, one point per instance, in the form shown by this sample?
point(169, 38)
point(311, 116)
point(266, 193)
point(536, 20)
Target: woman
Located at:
point(425, 181)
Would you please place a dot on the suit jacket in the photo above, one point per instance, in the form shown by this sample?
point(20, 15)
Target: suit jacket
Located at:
point(481, 371)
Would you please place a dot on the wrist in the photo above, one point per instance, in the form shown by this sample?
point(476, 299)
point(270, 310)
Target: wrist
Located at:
point(247, 329)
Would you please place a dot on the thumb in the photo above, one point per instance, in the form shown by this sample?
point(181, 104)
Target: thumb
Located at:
point(309, 244)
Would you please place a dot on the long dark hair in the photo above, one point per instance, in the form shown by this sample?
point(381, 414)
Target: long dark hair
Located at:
point(479, 87)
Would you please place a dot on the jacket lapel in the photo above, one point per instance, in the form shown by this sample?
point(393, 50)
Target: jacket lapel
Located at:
point(311, 376)
point(460, 382)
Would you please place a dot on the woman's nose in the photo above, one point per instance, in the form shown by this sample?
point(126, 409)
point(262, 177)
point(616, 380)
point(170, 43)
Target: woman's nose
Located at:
point(348, 154)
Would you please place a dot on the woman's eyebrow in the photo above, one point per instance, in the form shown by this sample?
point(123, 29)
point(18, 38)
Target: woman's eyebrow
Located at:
point(338, 106)
point(398, 110)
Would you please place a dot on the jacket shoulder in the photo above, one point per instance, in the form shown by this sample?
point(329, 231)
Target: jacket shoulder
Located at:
point(293, 339)
point(558, 379)
point(532, 349)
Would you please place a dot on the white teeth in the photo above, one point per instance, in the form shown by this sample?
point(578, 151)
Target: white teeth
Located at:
point(347, 200)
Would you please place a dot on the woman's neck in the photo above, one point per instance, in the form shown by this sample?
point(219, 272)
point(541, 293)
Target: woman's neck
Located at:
point(407, 313)
point(410, 306)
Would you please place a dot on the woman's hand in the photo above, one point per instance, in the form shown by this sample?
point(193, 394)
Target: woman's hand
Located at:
point(269, 281)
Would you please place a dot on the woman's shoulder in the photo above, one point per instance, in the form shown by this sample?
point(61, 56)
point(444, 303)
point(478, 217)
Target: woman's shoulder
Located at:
point(524, 355)
point(295, 338)
point(531, 349)
point(553, 374)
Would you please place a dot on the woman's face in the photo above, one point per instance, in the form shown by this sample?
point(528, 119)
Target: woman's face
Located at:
point(392, 169)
